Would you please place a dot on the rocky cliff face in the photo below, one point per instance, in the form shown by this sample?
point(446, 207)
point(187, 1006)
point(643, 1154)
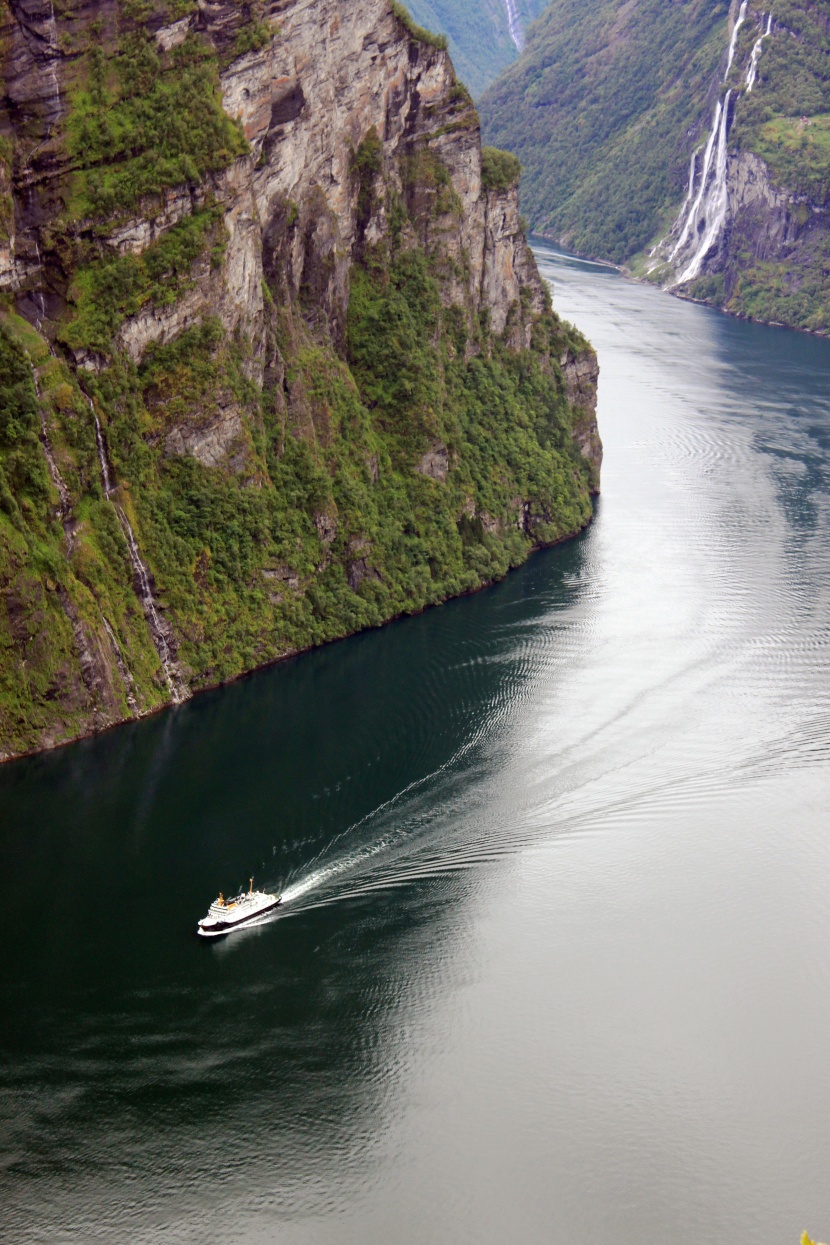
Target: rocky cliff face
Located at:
point(275, 361)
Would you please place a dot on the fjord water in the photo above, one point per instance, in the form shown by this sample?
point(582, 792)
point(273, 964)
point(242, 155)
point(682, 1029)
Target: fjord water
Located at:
point(554, 962)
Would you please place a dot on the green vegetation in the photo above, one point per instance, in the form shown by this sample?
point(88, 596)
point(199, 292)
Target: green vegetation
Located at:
point(107, 291)
point(786, 119)
point(797, 150)
point(415, 458)
point(418, 32)
point(596, 110)
point(610, 99)
point(478, 35)
point(146, 121)
point(500, 170)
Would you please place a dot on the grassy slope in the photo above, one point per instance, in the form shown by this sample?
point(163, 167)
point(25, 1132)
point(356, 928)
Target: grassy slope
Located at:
point(325, 527)
point(480, 41)
point(596, 109)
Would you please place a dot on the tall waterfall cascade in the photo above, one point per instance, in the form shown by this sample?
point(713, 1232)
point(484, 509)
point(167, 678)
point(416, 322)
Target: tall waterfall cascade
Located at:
point(514, 24)
point(704, 215)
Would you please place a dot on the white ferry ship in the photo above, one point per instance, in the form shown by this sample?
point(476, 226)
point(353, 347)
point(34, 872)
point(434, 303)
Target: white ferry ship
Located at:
point(225, 915)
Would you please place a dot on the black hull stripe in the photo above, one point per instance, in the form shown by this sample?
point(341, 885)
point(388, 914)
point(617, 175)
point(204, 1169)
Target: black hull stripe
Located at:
point(226, 927)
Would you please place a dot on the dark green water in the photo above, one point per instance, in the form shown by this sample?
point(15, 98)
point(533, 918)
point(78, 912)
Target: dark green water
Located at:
point(554, 962)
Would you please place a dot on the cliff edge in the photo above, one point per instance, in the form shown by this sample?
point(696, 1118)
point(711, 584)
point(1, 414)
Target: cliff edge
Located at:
point(275, 360)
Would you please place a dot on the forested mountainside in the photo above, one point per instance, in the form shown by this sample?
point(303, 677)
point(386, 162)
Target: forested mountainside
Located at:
point(598, 109)
point(484, 36)
point(275, 360)
point(701, 141)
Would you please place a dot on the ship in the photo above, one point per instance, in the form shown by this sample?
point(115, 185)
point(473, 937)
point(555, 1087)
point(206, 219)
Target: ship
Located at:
point(226, 915)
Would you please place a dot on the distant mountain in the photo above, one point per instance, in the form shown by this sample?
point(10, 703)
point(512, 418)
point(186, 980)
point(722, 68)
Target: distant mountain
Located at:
point(600, 109)
point(688, 140)
point(485, 35)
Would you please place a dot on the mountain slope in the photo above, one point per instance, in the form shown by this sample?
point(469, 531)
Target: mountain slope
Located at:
point(597, 109)
point(613, 100)
point(275, 360)
point(484, 35)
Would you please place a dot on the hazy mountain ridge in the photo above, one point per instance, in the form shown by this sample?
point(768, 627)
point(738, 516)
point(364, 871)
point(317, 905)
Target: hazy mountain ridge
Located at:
point(481, 41)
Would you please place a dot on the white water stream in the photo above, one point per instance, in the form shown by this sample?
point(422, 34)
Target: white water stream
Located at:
point(159, 627)
point(514, 23)
point(65, 504)
point(752, 71)
point(703, 216)
point(55, 53)
point(733, 42)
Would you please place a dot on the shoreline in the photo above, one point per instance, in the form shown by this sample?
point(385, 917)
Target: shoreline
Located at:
point(625, 272)
point(297, 652)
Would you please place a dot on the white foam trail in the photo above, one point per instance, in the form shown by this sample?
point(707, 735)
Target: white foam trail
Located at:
point(752, 71)
point(733, 42)
point(318, 878)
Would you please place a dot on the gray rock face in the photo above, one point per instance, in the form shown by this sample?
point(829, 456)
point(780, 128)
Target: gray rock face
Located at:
point(435, 463)
point(221, 441)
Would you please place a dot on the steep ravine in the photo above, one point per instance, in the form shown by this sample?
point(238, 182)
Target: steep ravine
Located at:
point(275, 360)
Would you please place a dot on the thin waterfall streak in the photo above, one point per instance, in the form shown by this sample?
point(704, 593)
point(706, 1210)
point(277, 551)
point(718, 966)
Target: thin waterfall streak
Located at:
point(514, 24)
point(65, 505)
point(733, 42)
point(55, 50)
point(102, 457)
point(123, 668)
point(39, 294)
point(159, 628)
point(752, 71)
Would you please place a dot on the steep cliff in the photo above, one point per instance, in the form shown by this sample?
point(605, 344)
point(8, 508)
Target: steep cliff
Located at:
point(275, 361)
point(701, 144)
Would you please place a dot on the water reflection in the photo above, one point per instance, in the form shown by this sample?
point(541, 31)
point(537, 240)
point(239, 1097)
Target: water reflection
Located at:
point(555, 958)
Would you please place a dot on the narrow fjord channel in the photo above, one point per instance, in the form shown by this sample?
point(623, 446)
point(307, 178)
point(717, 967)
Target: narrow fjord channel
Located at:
point(554, 963)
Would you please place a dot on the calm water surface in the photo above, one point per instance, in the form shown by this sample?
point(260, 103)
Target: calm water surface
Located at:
point(554, 964)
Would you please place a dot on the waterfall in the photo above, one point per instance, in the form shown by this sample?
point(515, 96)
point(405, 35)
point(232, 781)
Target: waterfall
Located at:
point(39, 294)
point(54, 49)
point(65, 504)
point(123, 668)
point(159, 627)
point(733, 42)
point(102, 457)
point(716, 202)
point(752, 72)
point(703, 217)
point(514, 24)
point(690, 224)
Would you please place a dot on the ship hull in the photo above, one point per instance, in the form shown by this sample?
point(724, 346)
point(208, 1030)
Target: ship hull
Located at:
point(218, 929)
